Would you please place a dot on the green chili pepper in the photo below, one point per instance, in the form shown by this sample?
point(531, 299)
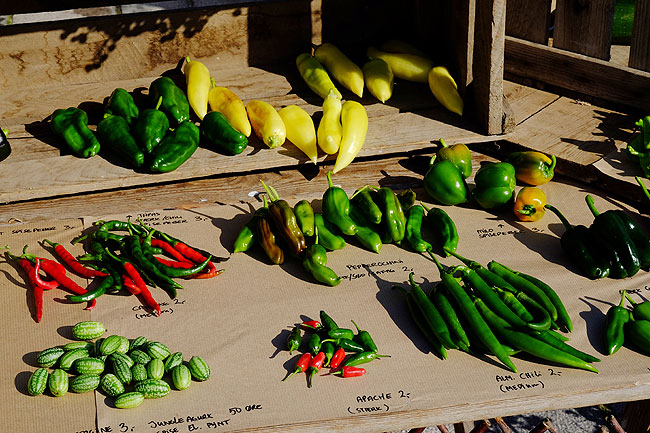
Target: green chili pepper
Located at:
point(637, 334)
point(5, 147)
point(247, 237)
point(150, 128)
point(617, 316)
point(328, 349)
point(495, 184)
point(314, 343)
point(487, 275)
point(445, 183)
point(431, 315)
point(346, 344)
point(514, 304)
point(362, 358)
point(327, 321)
point(174, 102)
point(471, 315)
point(393, 215)
point(71, 125)
point(363, 200)
point(305, 217)
point(366, 235)
point(638, 236)
point(365, 339)
point(448, 313)
point(266, 237)
point(578, 244)
point(527, 343)
point(458, 154)
point(176, 148)
point(422, 325)
point(549, 339)
point(102, 288)
point(563, 317)
point(640, 310)
point(315, 261)
point(121, 103)
point(218, 132)
point(294, 339)
point(341, 333)
point(406, 199)
point(326, 235)
point(413, 228)
point(146, 263)
point(443, 228)
point(543, 320)
point(284, 220)
point(609, 227)
point(336, 208)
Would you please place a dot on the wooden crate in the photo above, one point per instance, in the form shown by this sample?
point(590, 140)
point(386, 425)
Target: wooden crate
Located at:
point(569, 48)
point(251, 48)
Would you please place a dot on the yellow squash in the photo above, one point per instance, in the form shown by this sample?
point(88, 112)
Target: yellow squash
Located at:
point(344, 70)
point(300, 130)
point(354, 120)
point(197, 78)
point(329, 128)
point(406, 66)
point(445, 90)
point(267, 123)
point(379, 79)
point(315, 75)
point(226, 102)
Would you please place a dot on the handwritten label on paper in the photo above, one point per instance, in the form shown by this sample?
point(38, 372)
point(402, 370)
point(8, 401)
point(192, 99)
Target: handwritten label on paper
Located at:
point(39, 229)
point(502, 230)
point(369, 403)
point(167, 308)
point(157, 219)
point(121, 428)
point(525, 380)
point(364, 270)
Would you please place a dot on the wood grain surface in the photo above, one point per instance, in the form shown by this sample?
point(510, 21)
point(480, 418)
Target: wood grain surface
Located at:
point(584, 27)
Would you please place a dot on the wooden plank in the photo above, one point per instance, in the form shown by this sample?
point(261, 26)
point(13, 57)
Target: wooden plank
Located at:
point(640, 43)
point(526, 101)
point(488, 64)
point(584, 27)
point(529, 20)
point(592, 77)
point(33, 6)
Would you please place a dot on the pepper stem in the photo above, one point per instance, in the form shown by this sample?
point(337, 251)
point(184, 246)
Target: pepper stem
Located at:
point(359, 191)
point(528, 210)
point(50, 243)
point(213, 83)
point(442, 142)
point(269, 191)
point(187, 59)
point(329, 179)
point(440, 269)
point(159, 103)
point(469, 263)
point(553, 162)
point(592, 207)
point(432, 160)
point(626, 296)
point(356, 326)
point(643, 187)
point(565, 222)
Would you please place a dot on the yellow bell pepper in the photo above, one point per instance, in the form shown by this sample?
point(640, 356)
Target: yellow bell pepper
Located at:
point(315, 75)
point(344, 70)
point(300, 130)
point(329, 128)
point(529, 205)
point(197, 78)
point(354, 120)
point(226, 102)
point(404, 65)
point(379, 79)
point(445, 90)
point(266, 123)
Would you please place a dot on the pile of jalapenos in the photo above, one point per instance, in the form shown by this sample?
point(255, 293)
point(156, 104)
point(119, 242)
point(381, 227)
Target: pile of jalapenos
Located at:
point(625, 327)
point(494, 310)
point(325, 344)
point(371, 217)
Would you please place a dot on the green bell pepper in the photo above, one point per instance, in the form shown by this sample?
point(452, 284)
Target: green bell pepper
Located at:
point(217, 131)
point(495, 184)
point(121, 103)
point(174, 103)
point(175, 148)
point(71, 125)
point(150, 128)
point(458, 154)
point(445, 183)
point(113, 133)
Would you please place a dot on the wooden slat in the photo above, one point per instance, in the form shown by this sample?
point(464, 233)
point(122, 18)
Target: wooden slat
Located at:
point(34, 6)
point(640, 44)
point(596, 78)
point(529, 20)
point(488, 64)
point(584, 27)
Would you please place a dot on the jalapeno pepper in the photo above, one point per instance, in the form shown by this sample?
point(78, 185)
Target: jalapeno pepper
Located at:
point(530, 204)
point(531, 167)
point(346, 344)
point(71, 125)
point(305, 217)
point(336, 208)
point(495, 184)
point(364, 338)
point(294, 339)
point(218, 132)
point(284, 220)
point(174, 102)
point(150, 127)
point(301, 365)
point(315, 365)
point(458, 154)
point(443, 228)
point(121, 103)
point(314, 343)
point(337, 358)
point(328, 349)
point(326, 235)
point(176, 148)
point(341, 333)
point(349, 371)
point(617, 316)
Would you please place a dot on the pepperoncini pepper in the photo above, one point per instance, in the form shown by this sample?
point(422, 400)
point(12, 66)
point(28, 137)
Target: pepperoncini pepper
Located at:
point(71, 125)
point(305, 217)
point(225, 101)
point(315, 75)
point(330, 128)
point(197, 78)
point(266, 238)
point(444, 89)
point(300, 130)
point(529, 204)
point(495, 184)
point(354, 121)
point(341, 67)
point(532, 168)
point(315, 262)
point(284, 220)
point(336, 208)
point(393, 215)
point(267, 123)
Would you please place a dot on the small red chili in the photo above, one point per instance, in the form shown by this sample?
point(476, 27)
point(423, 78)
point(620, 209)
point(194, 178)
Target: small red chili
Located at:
point(135, 277)
point(166, 247)
point(55, 270)
point(311, 325)
point(314, 366)
point(212, 272)
point(130, 285)
point(36, 277)
point(301, 365)
point(175, 263)
point(349, 371)
point(149, 300)
point(337, 358)
point(73, 263)
point(37, 289)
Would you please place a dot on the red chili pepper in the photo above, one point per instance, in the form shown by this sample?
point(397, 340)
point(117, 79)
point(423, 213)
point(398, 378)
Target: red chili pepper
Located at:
point(301, 365)
point(195, 256)
point(315, 365)
point(311, 325)
point(130, 285)
point(37, 289)
point(73, 263)
point(27, 266)
point(166, 247)
point(349, 371)
point(135, 277)
point(149, 300)
point(55, 270)
point(212, 272)
point(337, 358)
point(175, 264)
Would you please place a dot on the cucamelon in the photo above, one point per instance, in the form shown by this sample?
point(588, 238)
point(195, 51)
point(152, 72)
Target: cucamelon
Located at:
point(152, 388)
point(37, 381)
point(111, 385)
point(58, 383)
point(129, 400)
point(48, 357)
point(199, 368)
point(84, 383)
point(88, 330)
point(181, 377)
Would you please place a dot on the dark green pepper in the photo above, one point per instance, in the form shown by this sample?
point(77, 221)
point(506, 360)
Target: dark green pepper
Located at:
point(305, 217)
point(346, 344)
point(284, 220)
point(613, 231)
point(71, 125)
point(336, 208)
point(431, 315)
point(328, 349)
point(637, 334)
point(294, 339)
point(314, 261)
point(5, 147)
point(326, 235)
point(448, 313)
point(219, 133)
point(639, 238)
point(495, 184)
point(577, 243)
point(174, 102)
point(406, 199)
point(444, 229)
point(444, 183)
point(393, 215)
point(114, 135)
point(422, 325)
point(341, 333)
point(458, 154)
point(362, 358)
point(314, 343)
point(362, 198)
point(366, 235)
point(176, 148)
point(615, 319)
point(364, 338)
point(150, 128)
point(640, 310)
point(413, 230)
point(327, 321)
point(121, 103)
